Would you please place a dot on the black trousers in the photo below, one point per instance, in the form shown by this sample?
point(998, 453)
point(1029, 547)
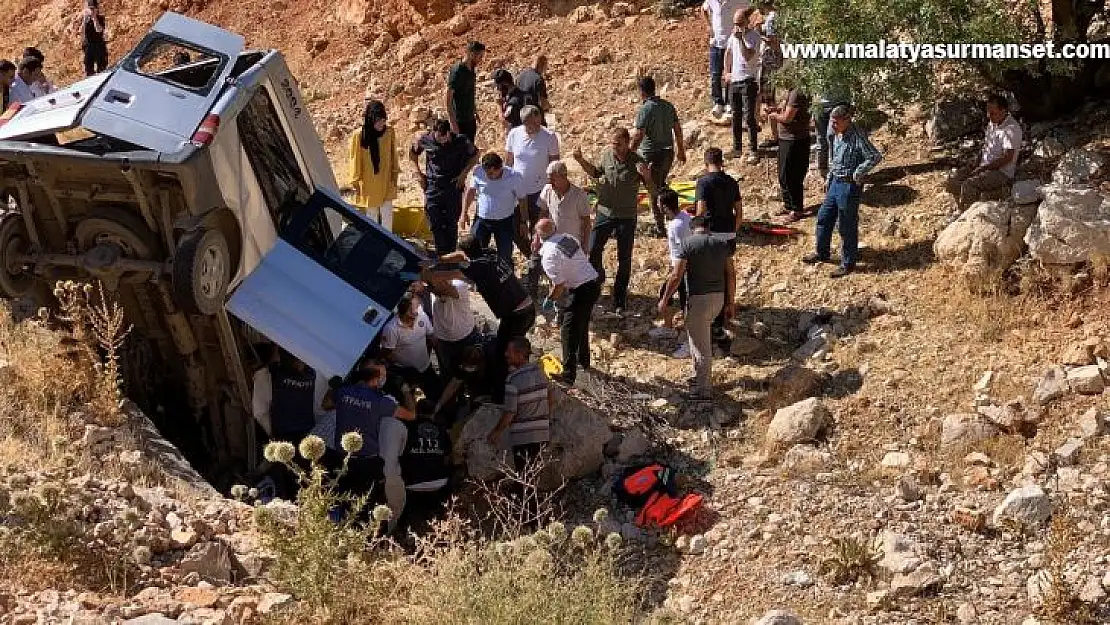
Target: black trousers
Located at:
point(744, 99)
point(427, 380)
point(443, 207)
point(574, 327)
point(517, 323)
point(469, 129)
point(96, 58)
point(793, 163)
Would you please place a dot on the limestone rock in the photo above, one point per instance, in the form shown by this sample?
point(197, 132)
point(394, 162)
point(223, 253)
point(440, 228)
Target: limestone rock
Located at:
point(1086, 380)
point(1068, 453)
point(272, 601)
point(211, 561)
point(1092, 423)
point(778, 617)
point(965, 428)
point(898, 556)
point(458, 25)
point(1052, 385)
point(1072, 226)
point(634, 443)
point(799, 423)
point(578, 438)
point(986, 239)
point(1038, 586)
point(599, 55)
point(923, 579)
point(1028, 505)
point(896, 460)
point(954, 119)
point(151, 619)
point(1079, 167)
point(409, 47)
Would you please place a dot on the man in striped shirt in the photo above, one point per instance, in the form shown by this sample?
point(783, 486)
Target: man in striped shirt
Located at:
point(853, 156)
point(527, 405)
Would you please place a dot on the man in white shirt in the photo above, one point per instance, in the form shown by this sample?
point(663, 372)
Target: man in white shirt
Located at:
point(407, 344)
point(502, 205)
point(997, 165)
point(742, 73)
point(718, 17)
point(28, 73)
point(454, 326)
point(565, 203)
point(576, 286)
point(529, 149)
point(42, 85)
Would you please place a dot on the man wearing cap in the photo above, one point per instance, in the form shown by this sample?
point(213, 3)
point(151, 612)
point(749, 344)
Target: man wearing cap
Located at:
point(462, 108)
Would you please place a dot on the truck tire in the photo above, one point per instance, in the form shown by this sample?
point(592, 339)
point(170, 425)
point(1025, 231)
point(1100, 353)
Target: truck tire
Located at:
point(120, 226)
point(15, 280)
point(201, 271)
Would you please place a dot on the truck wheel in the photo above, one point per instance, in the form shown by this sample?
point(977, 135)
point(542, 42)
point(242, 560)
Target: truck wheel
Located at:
point(119, 226)
point(15, 279)
point(201, 271)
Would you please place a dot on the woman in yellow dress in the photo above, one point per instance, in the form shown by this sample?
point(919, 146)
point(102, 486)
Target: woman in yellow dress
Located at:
point(374, 166)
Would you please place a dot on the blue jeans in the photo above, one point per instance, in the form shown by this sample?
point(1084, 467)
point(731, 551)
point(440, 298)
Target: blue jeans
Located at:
point(841, 207)
point(625, 231)
point(716, 70)
point(502, 231)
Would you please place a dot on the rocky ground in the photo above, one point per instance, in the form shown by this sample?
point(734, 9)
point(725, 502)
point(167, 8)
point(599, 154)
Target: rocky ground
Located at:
point(945, 446)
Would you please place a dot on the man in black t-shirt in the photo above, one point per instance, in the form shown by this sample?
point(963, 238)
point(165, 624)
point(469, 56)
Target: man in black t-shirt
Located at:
point(7, 75)
point(502, 291)
point(448, 158)
point(718, 199)
point(93, 44)
point(531, 81)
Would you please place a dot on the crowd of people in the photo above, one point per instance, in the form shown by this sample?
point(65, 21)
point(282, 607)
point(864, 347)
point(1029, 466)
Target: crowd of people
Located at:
point(25, 79)
point(482, 205)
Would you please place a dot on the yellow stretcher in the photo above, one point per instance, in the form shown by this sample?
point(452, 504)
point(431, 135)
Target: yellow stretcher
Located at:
point(410, 222)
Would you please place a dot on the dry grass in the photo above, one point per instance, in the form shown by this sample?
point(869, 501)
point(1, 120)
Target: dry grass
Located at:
point(851, 559)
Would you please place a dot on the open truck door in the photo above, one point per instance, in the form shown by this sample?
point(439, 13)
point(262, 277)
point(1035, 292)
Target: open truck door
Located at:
point(322, 293)
point(159, 95)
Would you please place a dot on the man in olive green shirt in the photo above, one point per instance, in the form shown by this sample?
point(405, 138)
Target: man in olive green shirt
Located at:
point(658, 138)
point(617, 177)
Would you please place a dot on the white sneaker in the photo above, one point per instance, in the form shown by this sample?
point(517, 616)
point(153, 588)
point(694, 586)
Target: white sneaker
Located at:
point(683, 351)
point(752, 159)
point(717, 110)
point(728, 110)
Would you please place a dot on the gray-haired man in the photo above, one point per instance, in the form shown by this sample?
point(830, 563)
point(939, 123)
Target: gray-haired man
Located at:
point(565, 203)
point(853, 156)
point(530, 148)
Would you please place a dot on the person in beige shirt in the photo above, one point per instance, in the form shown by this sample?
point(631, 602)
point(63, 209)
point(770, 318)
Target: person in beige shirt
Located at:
point(565, 203)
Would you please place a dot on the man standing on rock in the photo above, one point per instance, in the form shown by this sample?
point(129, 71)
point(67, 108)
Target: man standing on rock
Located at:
point(853, 156)
point(705, 262)
point(460, 101)
point(618, 173)
point(717, 198)
point(529, 149)
point(576, 286)
point(998, 162)
point(658, 138)
point(525, 423)
point(718, 16)
point(448, 158)
point(532, 83)
point(793, 143)
point(502, 205)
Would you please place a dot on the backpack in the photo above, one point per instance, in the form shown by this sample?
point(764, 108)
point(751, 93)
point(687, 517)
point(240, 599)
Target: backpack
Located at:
point(652, 488)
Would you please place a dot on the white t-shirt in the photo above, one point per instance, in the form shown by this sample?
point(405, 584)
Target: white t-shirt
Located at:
point(741, 68)
point(568, 211)
point(999, 138)
point(20, 91)
point(454, 318)
point(565, 262)
point(677, 230)
point(409, 345)
point(721, 13)
point(531, 154)
point(497, 199)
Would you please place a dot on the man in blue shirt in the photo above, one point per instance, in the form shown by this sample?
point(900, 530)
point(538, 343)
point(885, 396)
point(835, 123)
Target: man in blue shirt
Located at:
point(853, 156)
point(502, 205)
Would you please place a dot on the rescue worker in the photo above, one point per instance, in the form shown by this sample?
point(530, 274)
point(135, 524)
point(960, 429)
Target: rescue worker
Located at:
point(288, 395)
point(361, 406)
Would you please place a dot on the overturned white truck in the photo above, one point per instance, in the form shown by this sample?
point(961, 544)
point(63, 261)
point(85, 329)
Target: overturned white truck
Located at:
point(189, 180)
